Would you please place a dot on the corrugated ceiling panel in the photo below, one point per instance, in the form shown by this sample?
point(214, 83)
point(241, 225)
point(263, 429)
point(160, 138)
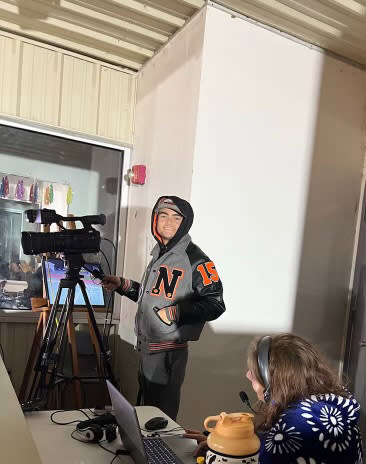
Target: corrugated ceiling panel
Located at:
point(123, 32)
point(335, 25)
point(40, 84)
point(128, 32)
point(9, 74)
point(79, 100)
point(117, 95)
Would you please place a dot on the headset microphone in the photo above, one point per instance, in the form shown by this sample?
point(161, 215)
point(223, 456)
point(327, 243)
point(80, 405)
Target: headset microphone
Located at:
point(245, 400)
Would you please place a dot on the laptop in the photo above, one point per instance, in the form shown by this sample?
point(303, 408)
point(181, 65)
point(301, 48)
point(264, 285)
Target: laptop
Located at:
point(143, 450)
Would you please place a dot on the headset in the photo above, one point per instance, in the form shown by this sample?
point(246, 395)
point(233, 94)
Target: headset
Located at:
point(99, 428)
point(263, 353)
point(96, 433)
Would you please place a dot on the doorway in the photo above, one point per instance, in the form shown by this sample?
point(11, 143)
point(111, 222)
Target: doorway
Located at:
point(355, 354)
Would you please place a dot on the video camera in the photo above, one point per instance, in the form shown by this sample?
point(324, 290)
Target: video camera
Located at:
point(85, 240)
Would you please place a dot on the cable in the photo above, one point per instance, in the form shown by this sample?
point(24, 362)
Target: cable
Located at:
point(72, 434)
point(77, 439)
point(106, 449)
point(175, 429)
point(67, 423)
point(108, 312)
point(165, 433)
point(106, 259)
point(112, 243)
point(106, 332)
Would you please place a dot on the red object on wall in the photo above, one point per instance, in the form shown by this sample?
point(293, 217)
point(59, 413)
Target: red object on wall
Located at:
point(138, 174)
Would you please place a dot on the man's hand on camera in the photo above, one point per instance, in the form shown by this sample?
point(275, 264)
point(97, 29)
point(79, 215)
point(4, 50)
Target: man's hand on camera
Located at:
point(111, 282)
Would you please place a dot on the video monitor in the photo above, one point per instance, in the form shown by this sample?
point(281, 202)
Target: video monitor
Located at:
point(54, 271)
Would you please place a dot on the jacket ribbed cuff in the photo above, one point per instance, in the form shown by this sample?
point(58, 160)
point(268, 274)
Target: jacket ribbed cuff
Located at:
point(172, 313)
point(125, 286)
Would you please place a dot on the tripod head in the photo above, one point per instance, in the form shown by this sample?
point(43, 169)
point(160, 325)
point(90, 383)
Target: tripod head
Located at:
point(73, 265)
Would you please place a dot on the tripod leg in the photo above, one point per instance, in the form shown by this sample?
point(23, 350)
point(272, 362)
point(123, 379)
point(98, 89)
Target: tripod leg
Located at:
point(100, 367)
point(48, 361)
point(105, 355)
point(45, 348)
point(75, 362)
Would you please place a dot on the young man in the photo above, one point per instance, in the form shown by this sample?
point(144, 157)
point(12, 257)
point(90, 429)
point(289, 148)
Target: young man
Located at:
point(179, 292)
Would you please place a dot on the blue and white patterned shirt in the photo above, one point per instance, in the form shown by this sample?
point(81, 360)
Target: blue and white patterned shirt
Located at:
point(318, 430)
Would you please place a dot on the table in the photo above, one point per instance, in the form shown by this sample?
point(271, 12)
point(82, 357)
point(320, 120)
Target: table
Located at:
point(16, 443)
point(56, 446)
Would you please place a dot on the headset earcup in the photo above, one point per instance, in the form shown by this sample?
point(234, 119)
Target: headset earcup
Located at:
point(263, 356)
point(93, 434)
point(110, 432)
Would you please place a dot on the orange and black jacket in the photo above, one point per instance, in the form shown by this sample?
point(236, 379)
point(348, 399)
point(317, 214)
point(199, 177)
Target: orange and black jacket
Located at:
point(182, 280)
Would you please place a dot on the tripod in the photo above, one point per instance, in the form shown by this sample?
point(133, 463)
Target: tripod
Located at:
point(52, 350)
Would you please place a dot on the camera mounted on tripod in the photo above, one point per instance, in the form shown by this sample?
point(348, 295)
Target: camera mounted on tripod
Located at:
point(85, 240)
point(72, 244)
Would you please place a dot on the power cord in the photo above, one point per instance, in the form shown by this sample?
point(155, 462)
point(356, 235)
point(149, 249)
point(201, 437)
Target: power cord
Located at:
point(107, 332)
point(67, 423)
point(106, 260)
point(165, 433)
point(112, 243)
point(106, 449)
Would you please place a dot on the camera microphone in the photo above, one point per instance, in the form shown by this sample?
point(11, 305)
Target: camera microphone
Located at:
point(245, 400)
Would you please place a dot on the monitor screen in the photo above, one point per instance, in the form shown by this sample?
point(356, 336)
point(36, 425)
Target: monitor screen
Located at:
point(54, 271)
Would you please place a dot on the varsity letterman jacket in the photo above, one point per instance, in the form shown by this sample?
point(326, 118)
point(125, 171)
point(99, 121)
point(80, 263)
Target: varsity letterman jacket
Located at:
point(181, 279)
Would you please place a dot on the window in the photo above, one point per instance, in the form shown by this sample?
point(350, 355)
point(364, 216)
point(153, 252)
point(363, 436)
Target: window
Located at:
point(44, 171)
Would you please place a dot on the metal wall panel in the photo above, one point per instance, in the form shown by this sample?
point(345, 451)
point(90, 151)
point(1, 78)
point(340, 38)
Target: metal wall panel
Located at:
point(40, 84)
point(79, 101)
point(117, 95)
point(43, 84)
point(9, 73)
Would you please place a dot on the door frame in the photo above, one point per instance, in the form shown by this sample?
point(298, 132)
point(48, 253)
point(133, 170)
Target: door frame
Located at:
point(355, 268)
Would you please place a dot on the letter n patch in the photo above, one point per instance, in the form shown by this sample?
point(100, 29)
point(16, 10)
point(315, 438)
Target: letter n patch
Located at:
point(167, 282)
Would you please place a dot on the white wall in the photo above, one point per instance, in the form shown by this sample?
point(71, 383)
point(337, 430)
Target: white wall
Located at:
point(330, 223)
point(254, 165)
point(165, 126)
point(274, 116)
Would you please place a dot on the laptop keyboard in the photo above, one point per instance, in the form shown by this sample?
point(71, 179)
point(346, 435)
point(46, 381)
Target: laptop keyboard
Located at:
point(159, 452)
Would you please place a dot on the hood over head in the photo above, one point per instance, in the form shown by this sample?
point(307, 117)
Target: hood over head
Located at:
point(180, 206)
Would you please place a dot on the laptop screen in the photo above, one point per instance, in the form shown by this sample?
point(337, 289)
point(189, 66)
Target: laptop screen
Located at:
point(54, 271)
point(128, 425)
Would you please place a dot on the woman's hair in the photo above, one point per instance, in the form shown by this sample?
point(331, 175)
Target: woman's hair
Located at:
point(296, 371)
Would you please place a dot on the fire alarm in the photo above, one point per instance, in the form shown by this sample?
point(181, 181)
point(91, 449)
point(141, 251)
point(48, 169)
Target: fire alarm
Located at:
point(137, 174)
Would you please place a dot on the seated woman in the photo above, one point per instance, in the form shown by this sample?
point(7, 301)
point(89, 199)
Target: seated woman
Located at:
point(306, 416)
